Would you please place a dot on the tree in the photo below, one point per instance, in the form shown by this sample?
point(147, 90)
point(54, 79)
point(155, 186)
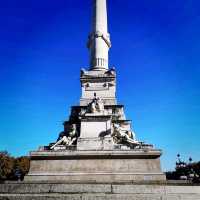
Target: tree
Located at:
point(6, 165)
point(22, 165)
point(13, 168)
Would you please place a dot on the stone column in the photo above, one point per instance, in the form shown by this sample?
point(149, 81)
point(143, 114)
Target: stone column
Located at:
point(99, 40)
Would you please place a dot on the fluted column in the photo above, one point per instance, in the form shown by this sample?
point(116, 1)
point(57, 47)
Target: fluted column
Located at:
point(99, 39)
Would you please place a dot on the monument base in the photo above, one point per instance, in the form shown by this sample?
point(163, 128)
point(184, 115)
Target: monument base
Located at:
point(96, 191)
point(104, 166)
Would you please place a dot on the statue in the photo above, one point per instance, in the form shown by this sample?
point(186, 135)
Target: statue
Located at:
point(67, 139)
point(121, 135)
point(99, 105)
point(96, 106)
point(93, 106)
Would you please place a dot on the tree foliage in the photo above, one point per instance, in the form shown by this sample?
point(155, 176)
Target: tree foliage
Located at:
point(13, 168)
point(6, 165)
point(22, 164)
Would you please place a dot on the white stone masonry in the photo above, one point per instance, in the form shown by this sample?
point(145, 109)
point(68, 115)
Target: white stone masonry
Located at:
point(99, 39)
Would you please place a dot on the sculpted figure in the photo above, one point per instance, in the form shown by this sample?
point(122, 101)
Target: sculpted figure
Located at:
point(121, 135)
point(99, 105)
point(93, 106)
point(68, 139)
point(96, 105)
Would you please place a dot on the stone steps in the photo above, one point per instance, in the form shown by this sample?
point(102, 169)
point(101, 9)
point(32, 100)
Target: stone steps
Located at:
point(37, 191)
point(99, 197)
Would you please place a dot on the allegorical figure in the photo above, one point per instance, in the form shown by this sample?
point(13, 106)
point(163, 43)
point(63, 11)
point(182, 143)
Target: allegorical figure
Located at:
point(68, 138)
point(96, 106)
point(121, 135)
point(100, 105)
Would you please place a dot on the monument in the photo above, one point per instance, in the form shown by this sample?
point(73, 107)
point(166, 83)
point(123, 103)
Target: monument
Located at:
point(97, 156)
point(98, 143)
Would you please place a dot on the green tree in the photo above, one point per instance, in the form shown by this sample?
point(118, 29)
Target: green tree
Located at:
point(22, 164)
point(6, 165)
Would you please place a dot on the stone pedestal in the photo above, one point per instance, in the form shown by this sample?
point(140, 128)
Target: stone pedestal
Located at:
point(95, 125)
point(95, 143)
point(96, 166)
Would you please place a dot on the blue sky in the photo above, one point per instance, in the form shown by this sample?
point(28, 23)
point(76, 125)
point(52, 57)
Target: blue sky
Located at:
point(155, 50)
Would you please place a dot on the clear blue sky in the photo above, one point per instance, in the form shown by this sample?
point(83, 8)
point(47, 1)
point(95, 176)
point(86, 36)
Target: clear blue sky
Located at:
point(156, 50)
